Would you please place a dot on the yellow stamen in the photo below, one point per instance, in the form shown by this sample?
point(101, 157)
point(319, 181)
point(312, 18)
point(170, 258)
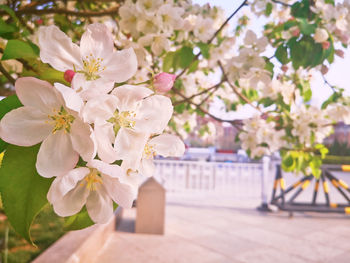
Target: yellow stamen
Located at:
point(93, 179)
point(123, 119)
point(149, 152)
point(92, 67)
point(61, 119)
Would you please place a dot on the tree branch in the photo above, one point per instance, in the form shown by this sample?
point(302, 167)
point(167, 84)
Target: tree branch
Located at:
point(236, 91)
point(198, 94)
point(281, 3)
point(213, 37)
point(6, 74)
point(30, 11)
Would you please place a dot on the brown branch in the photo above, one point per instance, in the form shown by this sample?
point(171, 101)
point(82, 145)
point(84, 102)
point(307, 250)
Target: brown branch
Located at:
point(30, 11)
point(236, 123)
point(216, 86)
point(6, 74)
point(213, 37)
point(236, 91)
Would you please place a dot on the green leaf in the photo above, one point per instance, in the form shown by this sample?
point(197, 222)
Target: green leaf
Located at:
point(307, 95)
point(78, 221)
point(268, 9)
point(282, 54)
point(168, 62)
point(193, 67)
point(306, 28)
point(6, 28)
point(204, 49)
point(180, 108)
point(6, 105)
point(288, 163)
point(185, 56)
point(19, 49)
point(23, 190)
point(315, 166)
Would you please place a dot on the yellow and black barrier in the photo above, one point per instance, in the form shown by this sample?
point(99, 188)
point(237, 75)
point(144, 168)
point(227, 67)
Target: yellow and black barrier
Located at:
point(326, 179)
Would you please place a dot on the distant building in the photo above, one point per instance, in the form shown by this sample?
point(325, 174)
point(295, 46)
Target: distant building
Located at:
point(223, 139)
point(341, 134)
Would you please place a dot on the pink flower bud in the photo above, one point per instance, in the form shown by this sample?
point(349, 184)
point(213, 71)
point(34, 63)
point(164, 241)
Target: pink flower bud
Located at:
point(326, 45)
point(339, 53)
point(284, 68)
point(68, 75)
point(324, 70)
point(163, 82)
point(296, 32)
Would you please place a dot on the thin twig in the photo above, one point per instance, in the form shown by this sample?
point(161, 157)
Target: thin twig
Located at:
point(110, 11)
point(198, 94)
point(327, 83)
point(281, 3)
point(6, 74)
point(213, 37)
point(236, 91)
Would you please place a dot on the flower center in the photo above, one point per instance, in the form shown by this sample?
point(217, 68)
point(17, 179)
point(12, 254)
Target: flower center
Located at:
point(61, 119)
point(149, 152)
point(93, 179)
point(123, 119)
point(92, 67)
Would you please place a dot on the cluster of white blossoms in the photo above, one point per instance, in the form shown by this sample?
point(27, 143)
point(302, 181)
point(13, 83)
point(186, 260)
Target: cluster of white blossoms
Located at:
point(310, 125)
point(248, 67)
point(88, 129)
point(260, 137)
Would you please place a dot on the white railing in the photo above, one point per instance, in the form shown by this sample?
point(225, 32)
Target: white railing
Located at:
point(238, 179)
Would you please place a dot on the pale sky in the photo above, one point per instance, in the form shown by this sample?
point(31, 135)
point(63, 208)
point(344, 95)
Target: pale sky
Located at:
point(338, 75)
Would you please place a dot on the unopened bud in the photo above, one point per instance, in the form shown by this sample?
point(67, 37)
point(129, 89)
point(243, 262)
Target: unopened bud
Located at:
point(339, 53)
point(284, 68)
point(163, 82)
point(324, 70)
point(296, 32)
point(326, 45)
point(68, 75)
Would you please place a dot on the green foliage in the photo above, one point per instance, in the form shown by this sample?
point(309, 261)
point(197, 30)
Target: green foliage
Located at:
point(305, 27)
point(182, 58)
point(19, 49)
point(78, 221)
point(306, 53)
point(23, 191)
point(204, 49)
point(282, 54)
point(6, 105)
point(46, 229)
point(268, 9)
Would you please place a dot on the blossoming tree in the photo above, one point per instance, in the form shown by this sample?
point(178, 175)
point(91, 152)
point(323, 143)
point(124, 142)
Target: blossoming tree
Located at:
point(102, 87)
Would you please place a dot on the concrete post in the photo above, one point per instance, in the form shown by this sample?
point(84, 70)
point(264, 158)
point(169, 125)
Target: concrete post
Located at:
point(264, 181)
point(150, 208)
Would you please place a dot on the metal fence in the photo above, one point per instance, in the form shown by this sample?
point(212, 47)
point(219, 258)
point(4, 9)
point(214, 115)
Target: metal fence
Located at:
point(236, 179)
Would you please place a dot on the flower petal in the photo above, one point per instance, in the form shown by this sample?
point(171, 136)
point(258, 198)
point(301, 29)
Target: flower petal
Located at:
point(71, 98)
point(129, 96)
point(147, 167)
point(122, 194)
point(104, 135)
point(154, 114)
point(82, 140)
point(38, 94)
point(102, 107)
point(120, 65)
point(97, 40)
point(129, 147)
point(99, 206)
point(63, 184)
point(56, 155)
point(57, 49)
point(168, 145)
point(25, 126)
point(111, 170)
point(70, 203)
